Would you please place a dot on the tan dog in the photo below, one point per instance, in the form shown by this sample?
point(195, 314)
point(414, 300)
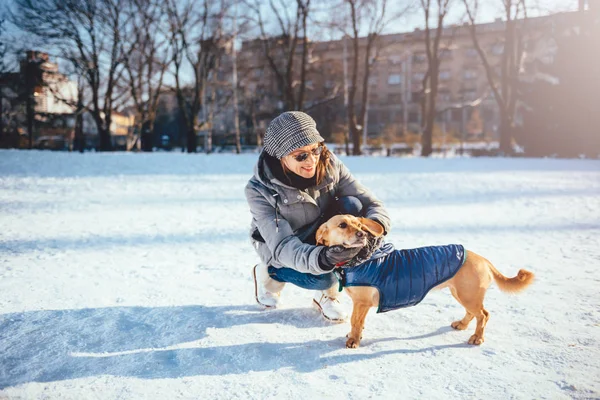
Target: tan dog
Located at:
point(468, 286)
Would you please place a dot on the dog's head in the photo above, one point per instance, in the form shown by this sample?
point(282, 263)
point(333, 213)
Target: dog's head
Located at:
point(348, 231)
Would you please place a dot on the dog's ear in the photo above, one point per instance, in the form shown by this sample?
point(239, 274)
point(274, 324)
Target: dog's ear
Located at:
point(322, 234)
point(374, 228)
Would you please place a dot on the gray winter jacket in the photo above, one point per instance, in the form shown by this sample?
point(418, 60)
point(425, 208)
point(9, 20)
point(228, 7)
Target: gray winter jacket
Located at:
point(283, 217)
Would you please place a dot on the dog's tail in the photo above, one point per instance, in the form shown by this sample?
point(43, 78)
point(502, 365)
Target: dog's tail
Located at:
point(515, 284)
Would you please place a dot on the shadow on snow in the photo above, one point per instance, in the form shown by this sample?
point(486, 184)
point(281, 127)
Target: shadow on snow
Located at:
point(160, 342)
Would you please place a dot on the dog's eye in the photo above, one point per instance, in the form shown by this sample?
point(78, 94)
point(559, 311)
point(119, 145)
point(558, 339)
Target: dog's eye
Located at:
point(343, 225)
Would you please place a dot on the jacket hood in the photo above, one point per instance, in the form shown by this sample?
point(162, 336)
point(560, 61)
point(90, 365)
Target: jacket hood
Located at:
point(262, 172)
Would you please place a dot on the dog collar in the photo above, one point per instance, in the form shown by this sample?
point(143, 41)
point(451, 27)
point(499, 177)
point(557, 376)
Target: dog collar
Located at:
point(340, 274)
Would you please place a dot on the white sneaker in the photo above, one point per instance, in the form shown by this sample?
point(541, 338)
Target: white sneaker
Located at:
point(263, 297)
point(330, 307)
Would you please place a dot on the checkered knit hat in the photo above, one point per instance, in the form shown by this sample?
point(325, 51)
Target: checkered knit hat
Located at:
point(290, 131)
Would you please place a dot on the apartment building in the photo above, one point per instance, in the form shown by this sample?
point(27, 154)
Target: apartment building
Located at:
point(395, 85)
point(54, 93)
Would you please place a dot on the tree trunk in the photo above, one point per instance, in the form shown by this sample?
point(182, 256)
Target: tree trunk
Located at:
point(105, 140)
point(365, 84)
point(208, 141)
point(505, 134)
point(192, 139)
point(146, 136)
point(255, 127)
point(430, 113)
point(355, 137)
point(30, 116)
point(1, 116)
point(79, 136)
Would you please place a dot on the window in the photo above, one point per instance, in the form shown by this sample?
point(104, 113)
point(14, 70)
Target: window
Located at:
point(469, 95)
point(444, 96)
point(373, 80)
point(445, 54)
point(498, 49)
point(471, 52)
point(470, 74)
point(394, 79)
point(445, 75)
point(394, 60)
point(418, 76)
point(419, 58)
point(394, 98)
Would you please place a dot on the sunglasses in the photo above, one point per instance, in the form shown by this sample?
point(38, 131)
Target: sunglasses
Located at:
point(304, 155)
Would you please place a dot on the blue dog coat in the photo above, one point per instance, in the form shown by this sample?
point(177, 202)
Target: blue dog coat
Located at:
point(404, 277)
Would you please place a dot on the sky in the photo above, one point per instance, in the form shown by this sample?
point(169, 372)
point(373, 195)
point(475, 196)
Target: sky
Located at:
point(489, 10)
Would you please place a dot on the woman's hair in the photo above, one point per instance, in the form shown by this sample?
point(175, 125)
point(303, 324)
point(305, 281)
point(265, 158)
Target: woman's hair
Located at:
point(322, 164)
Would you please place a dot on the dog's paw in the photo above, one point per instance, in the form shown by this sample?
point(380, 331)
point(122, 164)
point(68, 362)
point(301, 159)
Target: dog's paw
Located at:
point(459, 325)
point(352, 343)
point(348, 335)
point(476, 340)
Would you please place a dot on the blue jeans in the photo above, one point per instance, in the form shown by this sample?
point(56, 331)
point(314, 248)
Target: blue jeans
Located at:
point(343, 205)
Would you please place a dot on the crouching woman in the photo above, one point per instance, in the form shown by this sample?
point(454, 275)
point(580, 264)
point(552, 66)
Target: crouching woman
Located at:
point(297, 185)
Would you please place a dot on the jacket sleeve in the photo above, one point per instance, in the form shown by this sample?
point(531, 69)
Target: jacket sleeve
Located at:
point(373, 207)
point(287, 249)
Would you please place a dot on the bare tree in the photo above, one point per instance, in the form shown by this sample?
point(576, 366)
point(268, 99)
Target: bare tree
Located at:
point(80, 108)
point(374, 16)
point(17, 91)
point(504, 86)
point(3, 77)
point(433, 36)
point(197, 42)
point(88, 33)
point(280, 50)
point(146, 58)
point(234, 85)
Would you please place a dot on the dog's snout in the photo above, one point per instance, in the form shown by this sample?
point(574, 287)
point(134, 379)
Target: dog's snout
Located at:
point(359, 234)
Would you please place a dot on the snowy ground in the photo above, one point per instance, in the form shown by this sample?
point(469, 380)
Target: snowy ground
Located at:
point(127, 276)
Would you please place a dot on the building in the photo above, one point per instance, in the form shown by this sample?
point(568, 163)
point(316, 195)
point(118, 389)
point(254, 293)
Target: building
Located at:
point(121, 131)
point(54, 99)
point(395, 85)
point(54, 92)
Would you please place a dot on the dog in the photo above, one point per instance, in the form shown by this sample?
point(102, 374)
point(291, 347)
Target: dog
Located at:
point(467, 275)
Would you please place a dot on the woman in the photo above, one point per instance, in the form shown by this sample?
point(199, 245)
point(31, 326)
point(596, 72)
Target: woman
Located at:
point(297, 185)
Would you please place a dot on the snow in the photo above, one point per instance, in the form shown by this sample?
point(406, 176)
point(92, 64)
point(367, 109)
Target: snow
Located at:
point(127, 276)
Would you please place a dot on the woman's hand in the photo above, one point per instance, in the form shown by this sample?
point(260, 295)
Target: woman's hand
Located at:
point(334, 255)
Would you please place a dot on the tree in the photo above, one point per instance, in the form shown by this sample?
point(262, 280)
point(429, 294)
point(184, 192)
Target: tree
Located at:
point(146, 58)
point(3, 52)
point(375, 17)
point(31, 76)
point(79, 144)
point(439, 10)
point(197, 40)
point(5, 84)
point(89, 35)
point(280, 49)
point(504, 87)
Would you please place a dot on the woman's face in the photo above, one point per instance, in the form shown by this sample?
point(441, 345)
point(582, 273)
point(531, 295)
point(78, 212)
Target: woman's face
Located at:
point(308, 157)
